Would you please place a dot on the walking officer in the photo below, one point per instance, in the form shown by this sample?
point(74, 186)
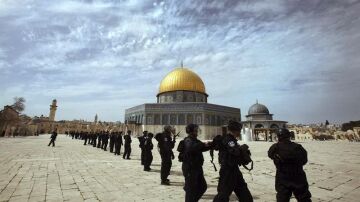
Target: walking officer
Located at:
point(141, 145)
point(105, 140)
point(165, 144)
point(118, 142)
point(53, 138)
point(192, 162)
point(94, 139)
point(112, 141)
point(289, 159)
point(127, 150)
point(231, 179)
point(99, 137)
point(148, 147)
point(85, 137)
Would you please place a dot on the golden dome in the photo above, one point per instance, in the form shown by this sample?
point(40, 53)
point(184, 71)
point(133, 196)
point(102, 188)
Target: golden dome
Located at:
point(182, 79)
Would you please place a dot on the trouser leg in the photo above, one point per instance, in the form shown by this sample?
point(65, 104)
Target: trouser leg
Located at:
point(195, 185)
point(129, 152)
point(301, 189)
point(225, 185)
point(165, 166)
point(283, 192)
point(241, 189)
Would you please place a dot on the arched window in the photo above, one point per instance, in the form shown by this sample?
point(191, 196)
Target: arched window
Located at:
point(274, 126)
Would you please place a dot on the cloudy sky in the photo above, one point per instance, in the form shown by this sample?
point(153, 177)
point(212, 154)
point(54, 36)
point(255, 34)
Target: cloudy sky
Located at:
point(299, 57)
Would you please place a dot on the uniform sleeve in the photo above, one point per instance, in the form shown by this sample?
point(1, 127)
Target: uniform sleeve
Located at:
point(232, 148)
point(303, 155)
point(271, 151)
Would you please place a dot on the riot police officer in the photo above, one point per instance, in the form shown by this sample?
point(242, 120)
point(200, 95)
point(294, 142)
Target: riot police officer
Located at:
point(99, 139)
point(85, 137)
point(192, 162)
point(89, 138)
point(231, 179)
point(141, 145)
point(105, 140)
point(148, 147)
point(53, 138)
point(165, 144)
point(289, 159)
point(94, 139)
point(127, 150)
point(112, 141)
point(118, 143)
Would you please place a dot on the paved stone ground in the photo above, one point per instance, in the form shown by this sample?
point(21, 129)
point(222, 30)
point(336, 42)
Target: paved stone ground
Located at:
point(32, 171)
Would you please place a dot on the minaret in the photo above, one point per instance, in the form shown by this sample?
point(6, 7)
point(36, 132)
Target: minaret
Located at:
point(96, 119)
point(52, 110)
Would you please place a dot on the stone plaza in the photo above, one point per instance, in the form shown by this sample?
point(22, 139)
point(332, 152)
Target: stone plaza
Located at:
point(32, 171)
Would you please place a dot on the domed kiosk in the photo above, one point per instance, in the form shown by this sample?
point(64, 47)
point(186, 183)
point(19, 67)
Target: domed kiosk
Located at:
point(259, 124)
point(182, 99)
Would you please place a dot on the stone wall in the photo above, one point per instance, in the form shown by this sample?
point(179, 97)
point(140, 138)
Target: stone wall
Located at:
point(205, 132)
point(181, 96)
point(182, 114)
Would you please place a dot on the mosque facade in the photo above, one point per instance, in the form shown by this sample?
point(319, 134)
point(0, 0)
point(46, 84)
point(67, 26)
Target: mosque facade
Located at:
point(182, 99)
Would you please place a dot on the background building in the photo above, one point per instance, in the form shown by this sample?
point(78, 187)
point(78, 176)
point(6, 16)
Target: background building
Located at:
point(182, 99)
point(259, 124)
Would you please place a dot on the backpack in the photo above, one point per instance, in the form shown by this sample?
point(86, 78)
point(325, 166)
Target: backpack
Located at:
point(181, 150)
point(246, 157)
point(141, 141)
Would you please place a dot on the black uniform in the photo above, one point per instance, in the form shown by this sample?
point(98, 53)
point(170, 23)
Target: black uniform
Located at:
point(94, 139)
point(112, 142)
point(105, 141)
point(289, 159)
point(148, 157)
point(127, 150)
point(99, 140)
point(165, 145)
point(90, 138)
point(193, 160)
point(85, 138)
point(53, 138)
point(231, 178)
point(141, 145)
point(118, 142)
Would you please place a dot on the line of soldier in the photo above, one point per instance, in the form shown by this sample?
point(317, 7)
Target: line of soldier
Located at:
point(104, 138)
point(288, 157)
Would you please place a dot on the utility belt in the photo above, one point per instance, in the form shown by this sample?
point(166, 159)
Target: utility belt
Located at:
point(290, 170)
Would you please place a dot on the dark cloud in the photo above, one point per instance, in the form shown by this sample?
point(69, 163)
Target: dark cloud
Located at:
point(108, 55)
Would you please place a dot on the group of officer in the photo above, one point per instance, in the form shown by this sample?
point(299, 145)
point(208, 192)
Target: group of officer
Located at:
point(104, 138)
point(288, 157)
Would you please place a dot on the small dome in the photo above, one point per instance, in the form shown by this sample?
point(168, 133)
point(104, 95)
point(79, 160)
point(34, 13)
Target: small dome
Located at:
point(182, 79)
point(258, 109)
